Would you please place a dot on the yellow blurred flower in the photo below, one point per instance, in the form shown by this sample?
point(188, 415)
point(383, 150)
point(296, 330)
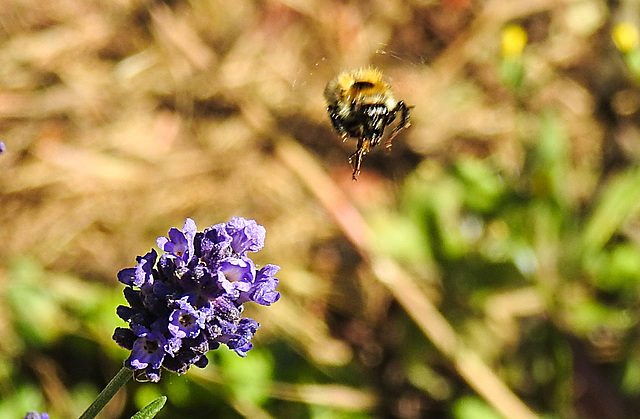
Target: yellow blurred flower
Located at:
point(625, 35)
point(514, 39)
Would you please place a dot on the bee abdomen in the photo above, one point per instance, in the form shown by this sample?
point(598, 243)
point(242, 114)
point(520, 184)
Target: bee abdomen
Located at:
point(374, 119)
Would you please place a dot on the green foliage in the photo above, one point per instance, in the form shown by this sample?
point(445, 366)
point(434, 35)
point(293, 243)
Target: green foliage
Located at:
point(397, 236)
point(322, 412)
point(37, 315)
point(152, 409)
point(473, 408)
point(25, 398)
point(146, 392)
point(247, 378)
point(493, 236)
point(618, 202)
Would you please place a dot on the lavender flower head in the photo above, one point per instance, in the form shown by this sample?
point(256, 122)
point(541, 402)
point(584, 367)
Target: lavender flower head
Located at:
point(36, 415)
point(190, 299)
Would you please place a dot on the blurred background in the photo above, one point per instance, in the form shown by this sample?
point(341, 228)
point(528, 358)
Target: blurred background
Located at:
point(488, 266)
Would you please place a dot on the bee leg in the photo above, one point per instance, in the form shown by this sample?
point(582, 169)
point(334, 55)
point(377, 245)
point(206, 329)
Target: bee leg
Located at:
point(375, 138)
point(356, 158)
point(405, 122)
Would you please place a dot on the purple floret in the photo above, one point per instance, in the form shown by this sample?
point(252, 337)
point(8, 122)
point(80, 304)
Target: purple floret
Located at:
point(263, 290)
point(142, 273)
point(235, 275)
point(185, 321)
point(190, 300)
point(246, 235)
point(148, 349)
point(32, 414)
point(179, 243)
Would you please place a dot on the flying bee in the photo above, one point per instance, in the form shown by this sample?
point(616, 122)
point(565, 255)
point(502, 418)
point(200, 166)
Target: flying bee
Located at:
point(361, 105)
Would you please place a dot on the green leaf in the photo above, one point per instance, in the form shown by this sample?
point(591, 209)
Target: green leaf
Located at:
point(473, 408)
point(152, 409)
point(619, 201)
point(399, 237)
point(618, 269)
point(512, 72)
point(248, 378)
point(550, 160)
point(587, 316)
point(483, 188)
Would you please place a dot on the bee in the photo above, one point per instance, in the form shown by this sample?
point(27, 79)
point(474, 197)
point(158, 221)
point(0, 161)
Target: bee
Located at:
point(361, 105)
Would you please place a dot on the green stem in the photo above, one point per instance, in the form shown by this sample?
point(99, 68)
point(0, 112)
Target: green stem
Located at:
point(107, 394)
